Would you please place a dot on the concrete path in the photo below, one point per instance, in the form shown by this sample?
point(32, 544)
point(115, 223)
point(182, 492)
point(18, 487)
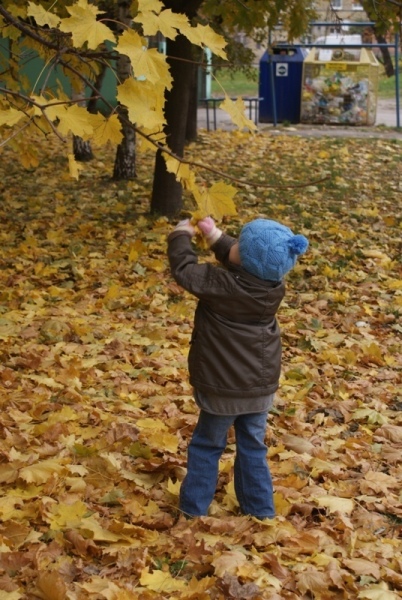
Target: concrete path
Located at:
point(385, 125)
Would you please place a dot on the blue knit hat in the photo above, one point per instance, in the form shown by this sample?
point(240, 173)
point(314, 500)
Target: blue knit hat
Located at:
point(268, 249)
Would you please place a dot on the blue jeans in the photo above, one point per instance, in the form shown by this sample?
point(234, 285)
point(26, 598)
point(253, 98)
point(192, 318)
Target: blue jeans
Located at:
point(252, 478)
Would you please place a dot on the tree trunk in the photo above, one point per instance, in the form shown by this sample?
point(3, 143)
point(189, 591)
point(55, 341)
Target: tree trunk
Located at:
point(82, 150)
point(386, 55)
point(379, 29)
point(191, 126)
point(167, 193)
point(124, 163)
point(125, 159)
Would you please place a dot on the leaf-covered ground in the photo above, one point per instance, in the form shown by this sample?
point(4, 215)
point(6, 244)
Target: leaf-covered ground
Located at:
point(96, 409)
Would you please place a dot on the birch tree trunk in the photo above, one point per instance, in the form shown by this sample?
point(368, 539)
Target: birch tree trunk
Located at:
point(125, 159)
point(82, 149)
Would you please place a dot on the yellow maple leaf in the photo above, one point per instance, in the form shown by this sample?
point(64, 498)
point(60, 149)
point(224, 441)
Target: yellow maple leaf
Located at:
point(113, 292)
point(148, 5)
point(74, 167)
point(313, 580)
point(42, 102)
point(10, 117)
point(66, 516)
point(41, 471)
point(228, 562)
point(147, 63)
point(142, 99)
point(362, 566)
point(282, 505)
point(75, 119)
point(15, 595)
point(96, 532)
point(106, 129)
point(236, 111)
point(336, 504)
point(395, 284)
point(374, 351)
point(8, 473)
point(84, 26)
point(154, 133)
point(205, 36)
point(230, 500)
point(372, 416)
point(319, 466)
point(161, 581)
point(166, 21)
point(151, 423)
point(155, 265)
point(52, 109)
point(259, 576)
point(42, 16)
point(378, 592)
point(216, 201)
point(181, 171)
point(197, 587)
point(173, 488)
point(29, 157)
point(167, 442)
point(48, 381)
point(100, 586)
point(9, 508)
point(137, 248)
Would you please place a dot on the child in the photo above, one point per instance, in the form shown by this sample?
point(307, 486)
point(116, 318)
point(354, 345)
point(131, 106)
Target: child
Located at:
point(235, 354)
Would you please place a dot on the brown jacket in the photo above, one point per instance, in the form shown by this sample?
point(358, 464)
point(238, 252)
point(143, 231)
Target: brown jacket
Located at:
point(235, 346)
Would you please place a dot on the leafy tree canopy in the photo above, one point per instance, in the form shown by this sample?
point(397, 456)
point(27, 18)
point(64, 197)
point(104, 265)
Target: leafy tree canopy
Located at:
point(76, 40)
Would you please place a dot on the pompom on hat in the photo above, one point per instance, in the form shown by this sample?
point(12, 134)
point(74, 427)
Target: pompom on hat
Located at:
point(268, 249)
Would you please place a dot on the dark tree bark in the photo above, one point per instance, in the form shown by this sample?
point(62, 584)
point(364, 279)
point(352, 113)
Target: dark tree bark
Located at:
point(82, 149)
point(379, 29)
point(191, 127)
point(167, 193)
point(125, 159)
point(386, 55)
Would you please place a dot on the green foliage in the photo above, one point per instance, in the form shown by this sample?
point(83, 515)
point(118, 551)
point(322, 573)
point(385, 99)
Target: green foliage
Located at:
point(387, 15)
point(255, 17)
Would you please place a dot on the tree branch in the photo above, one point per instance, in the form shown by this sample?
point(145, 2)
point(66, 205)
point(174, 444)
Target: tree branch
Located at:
point(26, 30)
point(166, 150)
point(159, 146)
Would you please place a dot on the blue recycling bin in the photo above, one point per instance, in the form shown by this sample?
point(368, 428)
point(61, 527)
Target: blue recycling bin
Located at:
point(280, 84)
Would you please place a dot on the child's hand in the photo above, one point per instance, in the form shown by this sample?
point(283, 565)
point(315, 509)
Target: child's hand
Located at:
point(206, 225)
point(209, 229)
point(186, 226)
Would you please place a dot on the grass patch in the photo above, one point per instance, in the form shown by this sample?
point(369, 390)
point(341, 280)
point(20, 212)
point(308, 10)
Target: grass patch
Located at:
point(239, 84)
point(386, 86)
point(234, 83)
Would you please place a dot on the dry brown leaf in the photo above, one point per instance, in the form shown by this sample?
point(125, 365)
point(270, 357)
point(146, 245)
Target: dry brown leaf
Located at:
point(312, 580)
